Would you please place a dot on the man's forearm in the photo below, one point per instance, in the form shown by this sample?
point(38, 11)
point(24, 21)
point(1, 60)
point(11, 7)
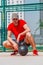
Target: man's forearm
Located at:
point(10, 40)
point(23, 33)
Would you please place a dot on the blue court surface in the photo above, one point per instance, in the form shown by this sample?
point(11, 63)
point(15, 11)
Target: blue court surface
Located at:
point(29, 59)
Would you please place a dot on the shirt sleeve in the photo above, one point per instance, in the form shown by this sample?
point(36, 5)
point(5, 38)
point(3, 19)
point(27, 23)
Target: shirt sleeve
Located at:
point(9, 28)
point(23, 22)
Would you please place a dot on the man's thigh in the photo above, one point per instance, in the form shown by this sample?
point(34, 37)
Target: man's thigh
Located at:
point(8, 44)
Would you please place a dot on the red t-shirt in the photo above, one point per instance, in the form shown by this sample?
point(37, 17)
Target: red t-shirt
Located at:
point(16, 30)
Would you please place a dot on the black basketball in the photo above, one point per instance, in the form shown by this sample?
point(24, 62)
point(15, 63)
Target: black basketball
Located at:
point(23, 50)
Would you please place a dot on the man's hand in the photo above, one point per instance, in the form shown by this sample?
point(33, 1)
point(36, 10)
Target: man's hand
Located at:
point(15, 46)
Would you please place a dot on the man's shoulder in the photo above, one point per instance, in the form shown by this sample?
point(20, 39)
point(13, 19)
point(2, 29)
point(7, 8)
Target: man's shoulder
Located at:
point(21, 20)
point(10, 24)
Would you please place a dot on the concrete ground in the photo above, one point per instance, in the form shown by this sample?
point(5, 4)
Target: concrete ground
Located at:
point(29, 59)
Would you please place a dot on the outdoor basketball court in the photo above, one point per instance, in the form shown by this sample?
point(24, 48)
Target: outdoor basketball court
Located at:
point(29, 59)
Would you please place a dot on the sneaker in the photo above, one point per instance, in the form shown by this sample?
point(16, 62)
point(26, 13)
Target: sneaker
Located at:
point(35, 52)
point(14, 53)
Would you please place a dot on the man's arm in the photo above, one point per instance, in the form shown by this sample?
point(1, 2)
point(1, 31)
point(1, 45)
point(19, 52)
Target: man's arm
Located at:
point(27, 29)
point(9, 37)
point(14, 45)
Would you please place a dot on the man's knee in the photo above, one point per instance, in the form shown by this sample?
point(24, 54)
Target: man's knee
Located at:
point(4, 43)
point(28, 34)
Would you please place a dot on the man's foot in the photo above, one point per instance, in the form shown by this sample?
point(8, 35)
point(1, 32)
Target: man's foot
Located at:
point(35, 52)
point(14, 53)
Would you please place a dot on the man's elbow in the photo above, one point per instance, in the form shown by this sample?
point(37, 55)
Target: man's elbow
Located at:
point(29, 30)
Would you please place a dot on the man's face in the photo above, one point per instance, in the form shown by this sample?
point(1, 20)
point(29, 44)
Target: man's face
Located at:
point(15, 21)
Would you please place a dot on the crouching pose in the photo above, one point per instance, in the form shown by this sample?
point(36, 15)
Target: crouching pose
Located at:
point(21, 32)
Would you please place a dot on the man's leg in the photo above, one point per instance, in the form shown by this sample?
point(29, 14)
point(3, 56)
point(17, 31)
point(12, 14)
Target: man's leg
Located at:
point(30, 40)
point(7, 44)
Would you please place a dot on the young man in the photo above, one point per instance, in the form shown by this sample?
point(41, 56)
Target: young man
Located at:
point(21, 32)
